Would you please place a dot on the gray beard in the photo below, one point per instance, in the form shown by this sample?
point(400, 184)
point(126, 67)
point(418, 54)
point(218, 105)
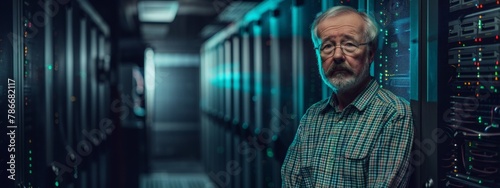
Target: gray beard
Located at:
point(345, 81)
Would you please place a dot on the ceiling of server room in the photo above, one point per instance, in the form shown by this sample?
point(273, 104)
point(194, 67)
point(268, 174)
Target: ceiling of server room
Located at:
point(165, 24)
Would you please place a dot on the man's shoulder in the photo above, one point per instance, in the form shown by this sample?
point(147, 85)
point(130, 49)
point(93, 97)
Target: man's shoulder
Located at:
point(318, 106)
point(392, 102)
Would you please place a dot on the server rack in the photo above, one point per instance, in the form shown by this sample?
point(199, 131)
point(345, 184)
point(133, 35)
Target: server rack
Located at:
point(468, 155)
point(237, 106)
point(44, 49)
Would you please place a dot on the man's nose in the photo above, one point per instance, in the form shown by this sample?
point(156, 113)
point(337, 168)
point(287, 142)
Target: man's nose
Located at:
point(338, 55)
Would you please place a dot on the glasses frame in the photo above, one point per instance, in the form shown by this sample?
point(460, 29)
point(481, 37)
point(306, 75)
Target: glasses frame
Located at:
point(341, 47)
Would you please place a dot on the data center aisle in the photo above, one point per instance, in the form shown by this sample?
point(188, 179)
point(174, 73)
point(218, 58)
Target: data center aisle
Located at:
point(173, 161)
point(174, 133)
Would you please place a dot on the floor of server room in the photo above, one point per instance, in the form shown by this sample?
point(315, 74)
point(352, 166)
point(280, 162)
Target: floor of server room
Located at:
point(178, 174)
point(174, 171)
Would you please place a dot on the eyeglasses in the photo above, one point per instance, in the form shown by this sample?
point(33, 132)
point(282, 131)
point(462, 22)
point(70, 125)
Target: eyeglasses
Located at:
point(348, 48)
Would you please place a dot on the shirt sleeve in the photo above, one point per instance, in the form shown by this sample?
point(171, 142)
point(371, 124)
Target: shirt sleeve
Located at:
point(291, 165)
point(390, 158)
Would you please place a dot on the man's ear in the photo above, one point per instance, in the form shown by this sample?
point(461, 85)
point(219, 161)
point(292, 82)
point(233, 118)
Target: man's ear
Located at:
point(371, 54)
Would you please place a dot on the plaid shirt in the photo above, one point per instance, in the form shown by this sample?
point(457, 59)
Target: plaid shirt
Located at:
point(366, 145)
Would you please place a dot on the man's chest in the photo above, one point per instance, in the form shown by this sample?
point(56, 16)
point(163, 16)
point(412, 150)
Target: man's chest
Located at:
point(336, 149)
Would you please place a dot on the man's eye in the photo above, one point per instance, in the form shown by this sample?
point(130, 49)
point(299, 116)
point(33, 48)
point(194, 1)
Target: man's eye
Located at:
point(349, 44)
point(327, 46)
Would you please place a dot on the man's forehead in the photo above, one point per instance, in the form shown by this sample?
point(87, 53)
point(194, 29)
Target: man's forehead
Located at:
point(346, 24)
point(338, 32)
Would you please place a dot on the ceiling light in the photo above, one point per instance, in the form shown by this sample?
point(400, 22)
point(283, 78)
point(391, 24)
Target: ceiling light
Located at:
point(157, 11)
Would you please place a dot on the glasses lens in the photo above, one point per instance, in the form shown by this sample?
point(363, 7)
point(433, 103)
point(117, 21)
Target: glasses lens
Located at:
point(348, 48)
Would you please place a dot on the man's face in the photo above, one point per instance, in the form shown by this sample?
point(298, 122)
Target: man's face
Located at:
point(339, 70)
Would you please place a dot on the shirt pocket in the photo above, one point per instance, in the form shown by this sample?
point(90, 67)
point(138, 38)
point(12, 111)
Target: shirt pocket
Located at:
point(355, 159)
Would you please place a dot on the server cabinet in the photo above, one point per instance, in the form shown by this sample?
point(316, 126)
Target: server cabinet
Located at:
point(307, 84)
point(235, 122)
point(392, 61)
point(228, 107)
point(280, 92)
point(468, 155)
point(405, 36)
point(248, 107)
point(262, 133)
point(281, 109)
point(42, 41)
point(6, 58)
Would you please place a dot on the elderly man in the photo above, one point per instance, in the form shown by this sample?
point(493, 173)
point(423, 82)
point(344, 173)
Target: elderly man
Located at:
point(362, 135)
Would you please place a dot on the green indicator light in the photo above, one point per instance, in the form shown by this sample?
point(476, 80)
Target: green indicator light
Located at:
point(30, 165)
point(29, 158)
point(31, 172)
point(480, 181)
point(270, 153)
point(50, 67)
point(470, 158)
point(29, 151)
point(459, 87)
point(479, 136)
point(491, 87)
point(495, 90)
point(57, 184)
point(482, 87)
point(496, 73)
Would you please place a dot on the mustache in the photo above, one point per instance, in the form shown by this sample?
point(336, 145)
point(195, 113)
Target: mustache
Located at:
point(333, 69)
